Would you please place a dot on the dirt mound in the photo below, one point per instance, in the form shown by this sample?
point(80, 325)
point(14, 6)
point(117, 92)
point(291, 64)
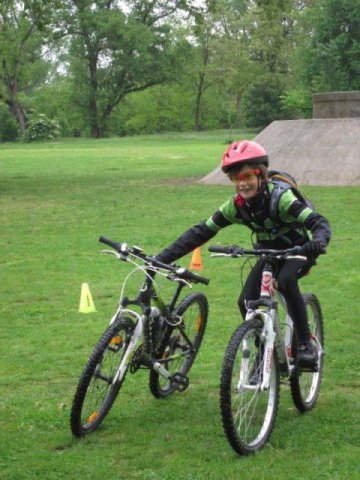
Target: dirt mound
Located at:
point(315, 152)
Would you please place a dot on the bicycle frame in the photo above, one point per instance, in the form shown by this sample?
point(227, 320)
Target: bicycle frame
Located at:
point(266, 309)
point(145, 332)
point(260, 352)
point(148, 292)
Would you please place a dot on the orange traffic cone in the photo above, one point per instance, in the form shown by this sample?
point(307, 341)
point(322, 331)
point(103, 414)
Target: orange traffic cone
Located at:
point(196, 263)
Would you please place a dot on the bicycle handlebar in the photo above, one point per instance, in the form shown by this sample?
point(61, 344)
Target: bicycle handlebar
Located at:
point(236, 251)
point(124, 250)
point(119, 247)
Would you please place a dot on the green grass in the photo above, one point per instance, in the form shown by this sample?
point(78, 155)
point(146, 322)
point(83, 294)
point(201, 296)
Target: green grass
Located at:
point(55, 200)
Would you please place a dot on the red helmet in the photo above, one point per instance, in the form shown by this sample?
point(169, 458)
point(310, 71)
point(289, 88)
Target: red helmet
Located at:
point(245, 151)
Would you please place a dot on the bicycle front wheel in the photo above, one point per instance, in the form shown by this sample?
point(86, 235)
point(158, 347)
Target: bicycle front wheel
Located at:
point(96, 391)
point(305, 386)
point(180, 344)
point(248, 414)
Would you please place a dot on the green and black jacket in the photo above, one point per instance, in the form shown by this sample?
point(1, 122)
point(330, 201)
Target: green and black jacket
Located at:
point(295, 224)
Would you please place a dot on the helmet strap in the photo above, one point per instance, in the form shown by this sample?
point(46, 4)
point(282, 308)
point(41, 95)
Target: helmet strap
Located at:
point(259, 184)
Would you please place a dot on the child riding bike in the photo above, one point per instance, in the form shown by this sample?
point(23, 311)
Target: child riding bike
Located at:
point(295, 224)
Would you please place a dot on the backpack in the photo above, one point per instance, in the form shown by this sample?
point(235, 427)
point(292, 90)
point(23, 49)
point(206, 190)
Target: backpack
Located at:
point(282, 181)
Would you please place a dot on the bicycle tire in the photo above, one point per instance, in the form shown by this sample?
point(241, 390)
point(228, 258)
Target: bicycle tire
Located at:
point(95, 393)
point(193, 311)
point(248, 414)
point(305, 386)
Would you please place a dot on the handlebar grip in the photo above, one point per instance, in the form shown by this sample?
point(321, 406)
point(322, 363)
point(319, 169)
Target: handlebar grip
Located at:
point(200, 278)
point(303, 251)
point(218, 249)
point(230, 250)
point(181, 272)
point(110, 243)
point(195, 277)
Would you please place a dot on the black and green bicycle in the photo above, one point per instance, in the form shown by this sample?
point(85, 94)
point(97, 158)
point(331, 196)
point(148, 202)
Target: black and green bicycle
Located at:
point(145, 332)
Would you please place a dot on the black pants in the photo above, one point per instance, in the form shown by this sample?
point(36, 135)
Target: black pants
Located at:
point(287, 274)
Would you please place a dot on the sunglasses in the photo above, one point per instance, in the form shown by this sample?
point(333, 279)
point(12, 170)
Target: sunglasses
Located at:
point(245, 177)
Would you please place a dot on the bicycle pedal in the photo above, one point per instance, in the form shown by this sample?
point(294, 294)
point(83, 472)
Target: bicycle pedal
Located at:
point(313, 369)
point(299, 369)
point(180, 382)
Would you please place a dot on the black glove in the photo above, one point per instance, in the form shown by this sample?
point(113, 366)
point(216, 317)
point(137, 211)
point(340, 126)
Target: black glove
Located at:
point(314, 248)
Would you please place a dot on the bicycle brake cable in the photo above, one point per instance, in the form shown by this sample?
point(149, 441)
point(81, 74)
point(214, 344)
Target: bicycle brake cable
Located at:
point(243, 265)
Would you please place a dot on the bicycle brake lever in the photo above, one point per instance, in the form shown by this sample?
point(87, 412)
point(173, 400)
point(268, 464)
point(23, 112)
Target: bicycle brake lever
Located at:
point(292, 257)
point(118, 255)
point(175, 278)
point(110, 252)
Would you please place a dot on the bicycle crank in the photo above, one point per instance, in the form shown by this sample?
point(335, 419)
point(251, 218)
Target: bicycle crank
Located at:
point(179, 381)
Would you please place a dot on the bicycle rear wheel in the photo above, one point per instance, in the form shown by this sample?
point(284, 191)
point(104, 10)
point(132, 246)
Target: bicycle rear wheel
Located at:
point(95, 392)
point(248, 414)
point(305, 386)
point(179, 346)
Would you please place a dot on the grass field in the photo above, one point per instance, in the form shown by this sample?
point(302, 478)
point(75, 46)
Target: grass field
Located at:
point(56, 199)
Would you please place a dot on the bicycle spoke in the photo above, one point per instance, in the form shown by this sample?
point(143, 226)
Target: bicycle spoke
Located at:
point(305, 386)
point(181, 344)
point(96, 391)
point(248, 413)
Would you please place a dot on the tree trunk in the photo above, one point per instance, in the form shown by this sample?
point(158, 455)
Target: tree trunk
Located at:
point(200, 91)
point(17, 110)
point(95, 129)
point(14, 105)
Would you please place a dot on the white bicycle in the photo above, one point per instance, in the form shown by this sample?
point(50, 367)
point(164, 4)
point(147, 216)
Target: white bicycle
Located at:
point(260, 352)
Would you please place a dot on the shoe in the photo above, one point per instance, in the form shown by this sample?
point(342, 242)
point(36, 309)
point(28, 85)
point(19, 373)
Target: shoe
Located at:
point(307, 355)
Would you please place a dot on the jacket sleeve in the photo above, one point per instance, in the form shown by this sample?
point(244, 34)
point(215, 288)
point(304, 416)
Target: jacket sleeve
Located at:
point(319, 227)
point(313, 221)
point(194, 237)
point(186, 243)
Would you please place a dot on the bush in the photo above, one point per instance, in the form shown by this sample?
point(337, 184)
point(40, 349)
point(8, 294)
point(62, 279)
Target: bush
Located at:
point(41, 128)
point(168, 108)
point(261, 103)
point(9, 128)
point(296, 104)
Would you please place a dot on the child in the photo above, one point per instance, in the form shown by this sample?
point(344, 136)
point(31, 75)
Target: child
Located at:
point(246, 164)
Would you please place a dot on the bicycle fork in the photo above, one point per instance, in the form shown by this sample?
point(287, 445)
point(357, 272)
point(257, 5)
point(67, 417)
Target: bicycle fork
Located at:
point(130, 349)
point(136, 336)
point(267, 338)
point(265, 309)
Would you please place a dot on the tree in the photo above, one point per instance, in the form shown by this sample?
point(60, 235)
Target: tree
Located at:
point(262, 103)
point(219, 55)
point(236, 66)
point(22, 66)
point(330, 57)
point(116, 51)
point(203, 58)
point(271, 24)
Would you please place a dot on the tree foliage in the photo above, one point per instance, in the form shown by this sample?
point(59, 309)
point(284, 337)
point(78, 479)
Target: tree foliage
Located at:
point(122, 67)
point(330, 54)
point(9, 128)
point(262, 102)
point(22, 66)
point(115, 52)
